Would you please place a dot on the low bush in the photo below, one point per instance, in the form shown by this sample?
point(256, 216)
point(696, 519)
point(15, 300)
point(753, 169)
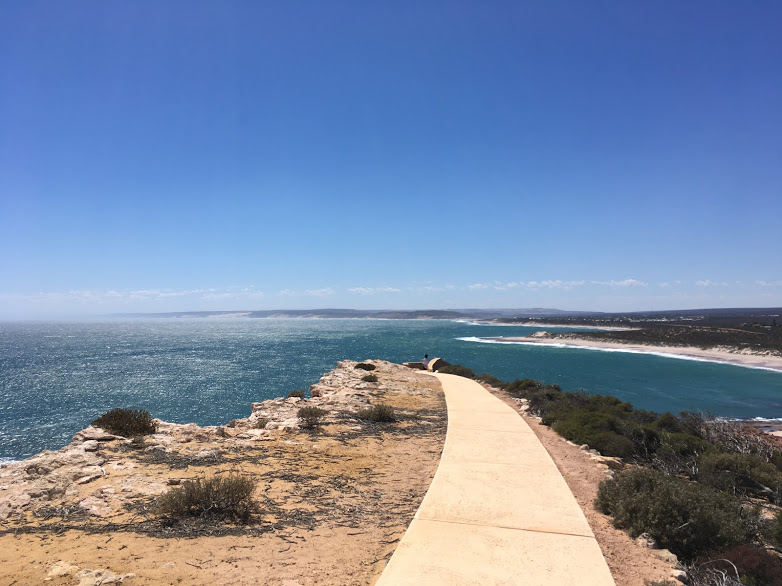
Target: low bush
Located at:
point(378, 413)
point(520, 387)
point(748, 564)
point(369, 378)
point(458, 370)
point(223, 497)
point(743, 474)
point(365, 366)
point(127, 422)
point(310, 416)
point(260, 422)
point(773, 530)
point(298, 394)
point(491, 380)
point(596, 428)
point(685, 517)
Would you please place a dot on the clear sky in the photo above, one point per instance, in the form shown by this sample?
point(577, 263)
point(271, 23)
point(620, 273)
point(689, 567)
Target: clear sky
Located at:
point(186, 155)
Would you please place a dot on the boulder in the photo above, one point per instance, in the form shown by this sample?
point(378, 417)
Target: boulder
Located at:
point(95, 433)
point(646, 540)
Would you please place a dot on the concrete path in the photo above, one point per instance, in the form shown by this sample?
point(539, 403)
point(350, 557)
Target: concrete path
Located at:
point(498, 511)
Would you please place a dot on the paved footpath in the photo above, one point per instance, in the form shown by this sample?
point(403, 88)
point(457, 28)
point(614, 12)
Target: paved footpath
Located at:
point(498, 511)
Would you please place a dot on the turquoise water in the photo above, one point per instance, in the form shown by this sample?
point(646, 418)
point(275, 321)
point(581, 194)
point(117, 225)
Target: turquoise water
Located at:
point(57, 377)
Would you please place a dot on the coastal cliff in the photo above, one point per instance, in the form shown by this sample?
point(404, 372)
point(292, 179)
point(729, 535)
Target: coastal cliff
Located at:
point(334, 499)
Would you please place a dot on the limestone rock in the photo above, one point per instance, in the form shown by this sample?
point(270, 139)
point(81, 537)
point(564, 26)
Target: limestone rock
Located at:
point(96, 506)
point(680, 575)
point(100, 577)
point(646, 540)
point(91, 446)
point(666, 556)
point(61, 568)
point(96, 434)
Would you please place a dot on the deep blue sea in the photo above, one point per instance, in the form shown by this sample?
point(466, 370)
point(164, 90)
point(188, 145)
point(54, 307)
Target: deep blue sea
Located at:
point(56, 377)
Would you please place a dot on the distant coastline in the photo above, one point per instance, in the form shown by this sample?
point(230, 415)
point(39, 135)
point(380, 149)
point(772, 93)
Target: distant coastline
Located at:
point(748, 358)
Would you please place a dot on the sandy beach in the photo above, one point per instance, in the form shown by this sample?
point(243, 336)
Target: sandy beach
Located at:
point(724, 355)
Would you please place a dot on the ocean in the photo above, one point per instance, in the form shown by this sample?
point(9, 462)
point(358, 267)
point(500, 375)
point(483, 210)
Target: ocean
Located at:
point(56, 377)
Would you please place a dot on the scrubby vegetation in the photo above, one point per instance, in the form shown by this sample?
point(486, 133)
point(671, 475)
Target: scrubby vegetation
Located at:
point(741, 565)
point(377, 413)
point(127, 422)
point(310, 417)
point(707, 489)
point(297, 393)
point(369, 378)
point(223, 497)
point(457, 369)
point(365, 366)
point(688, 518)
point(757, 329)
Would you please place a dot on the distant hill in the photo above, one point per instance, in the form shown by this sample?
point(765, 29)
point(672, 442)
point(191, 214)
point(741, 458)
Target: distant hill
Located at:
point(481, 314)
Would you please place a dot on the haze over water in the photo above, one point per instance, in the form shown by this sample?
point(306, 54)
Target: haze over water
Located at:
point(56, 377)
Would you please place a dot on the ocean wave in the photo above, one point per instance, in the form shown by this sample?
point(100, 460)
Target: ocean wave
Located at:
point(622, 350)
point(7, 461)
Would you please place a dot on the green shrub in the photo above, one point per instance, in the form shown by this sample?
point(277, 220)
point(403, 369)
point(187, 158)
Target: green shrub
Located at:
point(491, 380)
point(744, 474)
point(596, 428)
point(609, 443)
point(310, 416)
point(365, 366)
point(520, 387)
point(377, 413)
point(223, 497)
point(685, 517)
point(298, 394)
point(678, 453)
point(773, 530)
point(260, 422)
point(127, 422)
point(669, 422)
point(458, 370)
point(369, 378)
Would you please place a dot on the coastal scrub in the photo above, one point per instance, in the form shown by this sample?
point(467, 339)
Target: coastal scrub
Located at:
point(127, 422)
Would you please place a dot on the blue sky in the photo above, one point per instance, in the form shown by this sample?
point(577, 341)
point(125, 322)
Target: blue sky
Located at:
point(606, 155)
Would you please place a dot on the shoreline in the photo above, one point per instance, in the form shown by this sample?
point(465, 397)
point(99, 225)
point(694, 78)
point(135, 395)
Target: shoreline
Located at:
point(759, 361)
point(534, 324)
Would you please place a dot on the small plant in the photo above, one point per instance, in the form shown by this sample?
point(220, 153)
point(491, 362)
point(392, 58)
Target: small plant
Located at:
point(369, 378)
point(457, 369)
point(365, 366)
point(260, 422)
point(297, 394)
point(127, 422)
point(222, 497)
point(310, 416)
point(377, 413)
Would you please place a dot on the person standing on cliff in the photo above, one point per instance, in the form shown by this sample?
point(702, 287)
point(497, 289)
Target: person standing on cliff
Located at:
point(426, 361)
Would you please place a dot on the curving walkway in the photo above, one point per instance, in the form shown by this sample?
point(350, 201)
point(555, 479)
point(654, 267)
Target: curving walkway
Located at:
point(498, 511)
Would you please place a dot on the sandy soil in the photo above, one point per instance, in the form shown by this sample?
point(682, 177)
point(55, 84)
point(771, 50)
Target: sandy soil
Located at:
point(333, 503)
point(630, 564)
point(756, 360)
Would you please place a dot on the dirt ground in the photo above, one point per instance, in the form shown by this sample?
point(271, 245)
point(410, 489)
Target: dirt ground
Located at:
point(334, 501)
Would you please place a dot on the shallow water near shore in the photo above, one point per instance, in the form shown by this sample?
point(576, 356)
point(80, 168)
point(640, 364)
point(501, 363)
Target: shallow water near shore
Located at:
point(56, 377)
